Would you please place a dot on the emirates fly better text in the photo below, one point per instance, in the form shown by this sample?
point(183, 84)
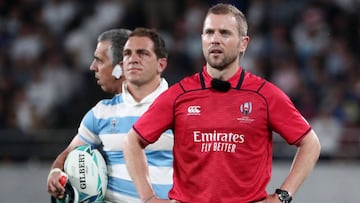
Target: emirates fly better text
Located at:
point(218, 141)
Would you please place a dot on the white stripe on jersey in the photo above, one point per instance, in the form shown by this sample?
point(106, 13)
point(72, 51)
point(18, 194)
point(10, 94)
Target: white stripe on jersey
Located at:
point(165, 142)
point(90, 136)
point(158, 175)
point(115, 197)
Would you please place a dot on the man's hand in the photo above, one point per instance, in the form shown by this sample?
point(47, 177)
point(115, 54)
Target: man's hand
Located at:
point(271, 198)
point(56, 183)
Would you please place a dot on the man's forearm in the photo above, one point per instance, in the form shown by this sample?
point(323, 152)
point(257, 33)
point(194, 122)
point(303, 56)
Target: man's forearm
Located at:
point(137, 165)
point(304, 161)
point(59, 162)
point(60, 159)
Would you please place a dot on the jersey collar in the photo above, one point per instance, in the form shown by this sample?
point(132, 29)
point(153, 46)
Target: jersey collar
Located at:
point(129, 99)
point(235, 81)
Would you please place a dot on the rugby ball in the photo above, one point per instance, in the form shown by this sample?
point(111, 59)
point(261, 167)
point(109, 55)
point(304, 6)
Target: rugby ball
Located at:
point(87, 173)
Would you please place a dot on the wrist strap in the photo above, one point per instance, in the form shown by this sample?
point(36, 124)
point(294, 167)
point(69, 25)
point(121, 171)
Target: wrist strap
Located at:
point(53, 171)
point(149, 198)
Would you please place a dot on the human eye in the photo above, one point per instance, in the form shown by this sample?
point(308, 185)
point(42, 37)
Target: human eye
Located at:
point(143, 53)
point(126, 53)
point(225, 33)
point(208, 32)
point(97, 60)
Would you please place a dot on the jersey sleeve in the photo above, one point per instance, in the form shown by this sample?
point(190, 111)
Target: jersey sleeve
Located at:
point(87, 130)
point(284, 118)
point(159, 117)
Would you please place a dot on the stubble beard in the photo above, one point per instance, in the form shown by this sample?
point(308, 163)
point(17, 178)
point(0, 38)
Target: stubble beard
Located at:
point(220, 64)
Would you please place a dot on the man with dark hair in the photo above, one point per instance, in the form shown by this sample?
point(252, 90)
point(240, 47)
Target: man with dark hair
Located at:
point(105, 125)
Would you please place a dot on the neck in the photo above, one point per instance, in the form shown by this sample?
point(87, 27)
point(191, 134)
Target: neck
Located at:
point(225, 73)
point(118, 85)
point(140, 91)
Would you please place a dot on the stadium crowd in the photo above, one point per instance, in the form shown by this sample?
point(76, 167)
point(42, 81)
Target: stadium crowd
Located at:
point(308, 48)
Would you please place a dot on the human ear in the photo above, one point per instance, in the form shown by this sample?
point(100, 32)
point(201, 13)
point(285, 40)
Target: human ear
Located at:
point(162, 65)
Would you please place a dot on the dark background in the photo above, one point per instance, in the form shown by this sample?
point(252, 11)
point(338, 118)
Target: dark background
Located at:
point(310, 49)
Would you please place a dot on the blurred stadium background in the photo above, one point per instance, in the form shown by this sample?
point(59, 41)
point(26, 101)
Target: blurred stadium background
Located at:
point(309, 48)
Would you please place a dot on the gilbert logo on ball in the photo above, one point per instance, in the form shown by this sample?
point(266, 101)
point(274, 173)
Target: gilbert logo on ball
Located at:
point(87, 173)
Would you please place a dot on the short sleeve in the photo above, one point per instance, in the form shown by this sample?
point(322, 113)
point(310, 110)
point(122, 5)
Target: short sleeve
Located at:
point(284, 118)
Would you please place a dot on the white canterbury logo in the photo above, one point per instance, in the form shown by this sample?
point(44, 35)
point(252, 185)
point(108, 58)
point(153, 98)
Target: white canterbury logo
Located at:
point(193, 110)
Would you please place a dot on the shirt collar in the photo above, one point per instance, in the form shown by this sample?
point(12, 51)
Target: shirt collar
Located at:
point(234, 80)
point(129, 99)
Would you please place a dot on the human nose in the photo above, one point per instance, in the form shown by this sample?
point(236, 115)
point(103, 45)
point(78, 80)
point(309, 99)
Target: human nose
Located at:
point(133, 58)
point(215, 38)
point(93, 67)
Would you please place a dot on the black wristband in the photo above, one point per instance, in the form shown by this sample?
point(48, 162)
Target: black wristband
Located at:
point(283, 195)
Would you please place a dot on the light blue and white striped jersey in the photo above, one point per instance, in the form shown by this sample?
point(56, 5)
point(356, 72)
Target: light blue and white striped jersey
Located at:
point(106, 125)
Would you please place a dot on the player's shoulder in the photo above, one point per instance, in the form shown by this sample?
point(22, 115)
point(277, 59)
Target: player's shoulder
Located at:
point(253, 82)
point(107, 104)
point(184, 85)
point(260, 85)
point(117, 99)
point(191, 82)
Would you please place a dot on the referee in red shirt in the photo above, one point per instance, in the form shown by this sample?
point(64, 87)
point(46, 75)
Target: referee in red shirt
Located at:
point(223, 119)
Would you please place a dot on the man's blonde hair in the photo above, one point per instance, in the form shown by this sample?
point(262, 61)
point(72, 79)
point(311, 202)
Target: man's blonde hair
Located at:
point(220, 9)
